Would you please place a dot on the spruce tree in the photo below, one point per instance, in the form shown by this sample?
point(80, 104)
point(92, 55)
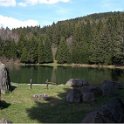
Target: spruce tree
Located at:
point(32, 50)
point(24, 55)
point(63, 53)
point(48, 51)
point(41, 52)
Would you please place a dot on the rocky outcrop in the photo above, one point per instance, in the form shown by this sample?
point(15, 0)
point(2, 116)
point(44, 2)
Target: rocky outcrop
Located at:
point(109, 87)
point(111, 112)
point(4, 79)
point(89, 93)
point(88, 97)
point(74, 96)
point(77, 83)
point(94, 89)
point(81, 91)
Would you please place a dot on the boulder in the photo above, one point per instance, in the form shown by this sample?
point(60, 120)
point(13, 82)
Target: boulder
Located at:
point(88, 97)
point(87, 94)
point(4, 79)
point(111, 112)
point(118, 85)
point(76, 83)
point(74, 96)
point(116, 108)
point(94, 89)
point(108, 88)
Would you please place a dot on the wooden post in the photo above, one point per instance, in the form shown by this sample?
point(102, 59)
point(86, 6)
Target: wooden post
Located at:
point(47, 84)
point(31, 83)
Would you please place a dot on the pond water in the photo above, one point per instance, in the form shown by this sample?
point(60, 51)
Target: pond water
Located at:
point(59, 75)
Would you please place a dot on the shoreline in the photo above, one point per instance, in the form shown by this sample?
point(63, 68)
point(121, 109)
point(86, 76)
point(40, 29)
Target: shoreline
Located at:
point(87, 65)
point(70, 65)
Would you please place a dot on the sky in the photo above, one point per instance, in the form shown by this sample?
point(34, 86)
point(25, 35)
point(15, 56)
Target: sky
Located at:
point(22, 13)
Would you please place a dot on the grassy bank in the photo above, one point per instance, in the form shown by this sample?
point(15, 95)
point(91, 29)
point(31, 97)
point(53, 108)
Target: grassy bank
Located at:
point(19, 106)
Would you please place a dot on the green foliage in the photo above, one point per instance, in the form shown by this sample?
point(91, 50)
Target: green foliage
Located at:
point(32, 51)
point(24, 55)
point(63, 54)
point(96, 38)
point(8, 49)
point(41, 52)
point(48, 51)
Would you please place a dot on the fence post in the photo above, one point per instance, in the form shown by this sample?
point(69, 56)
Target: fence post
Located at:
point(47, 84)
point(31, 83)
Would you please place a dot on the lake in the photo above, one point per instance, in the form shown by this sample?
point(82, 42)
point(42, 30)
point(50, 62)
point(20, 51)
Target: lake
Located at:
point(39, 74)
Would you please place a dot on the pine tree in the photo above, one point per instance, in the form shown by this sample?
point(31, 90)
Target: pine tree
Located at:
point(48, 51)
point(24, 55)
point(41, 52)
point(32, 50)
point(63, 54)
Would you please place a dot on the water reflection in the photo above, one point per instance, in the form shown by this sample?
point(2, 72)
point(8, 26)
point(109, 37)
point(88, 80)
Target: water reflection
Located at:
point(53, 75)
point(39, 74)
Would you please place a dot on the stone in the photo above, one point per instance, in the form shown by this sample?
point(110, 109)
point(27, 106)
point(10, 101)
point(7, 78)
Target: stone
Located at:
point(40, 97)
point(88, 97)
point(4, 79)
point(76, 83)
point(87, 94)
point(116, 107)
point(108, 88)
point(74, 96)
point(118, 85)
point(94, 89)
point(111, 112)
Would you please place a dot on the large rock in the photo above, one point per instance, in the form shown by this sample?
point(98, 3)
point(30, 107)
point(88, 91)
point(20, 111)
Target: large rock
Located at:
point(88, 94)
point(111, 112)
point(108, 88)
point(94, 89)
point(88, 97)
point(4, 79)
point(74, 96)
point(118, 85)
point(76, 83)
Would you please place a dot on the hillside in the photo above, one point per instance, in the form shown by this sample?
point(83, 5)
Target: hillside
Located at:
point(92, 39)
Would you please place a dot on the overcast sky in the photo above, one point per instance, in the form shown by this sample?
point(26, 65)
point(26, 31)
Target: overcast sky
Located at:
point(16, 13)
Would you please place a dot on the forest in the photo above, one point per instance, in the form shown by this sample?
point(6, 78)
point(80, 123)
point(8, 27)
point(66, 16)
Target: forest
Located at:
point(92, 39)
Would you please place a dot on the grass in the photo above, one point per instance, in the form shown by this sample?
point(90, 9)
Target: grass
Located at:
point(20, 107)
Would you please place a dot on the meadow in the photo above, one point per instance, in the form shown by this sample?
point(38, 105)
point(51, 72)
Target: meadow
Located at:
point(19, 106)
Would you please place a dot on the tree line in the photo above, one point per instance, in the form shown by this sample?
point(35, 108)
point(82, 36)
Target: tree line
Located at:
point(93, 39)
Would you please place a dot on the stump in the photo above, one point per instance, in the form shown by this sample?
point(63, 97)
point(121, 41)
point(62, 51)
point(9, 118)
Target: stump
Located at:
point(4, 79)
